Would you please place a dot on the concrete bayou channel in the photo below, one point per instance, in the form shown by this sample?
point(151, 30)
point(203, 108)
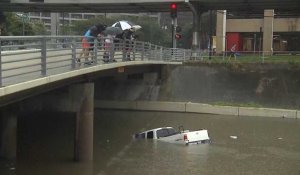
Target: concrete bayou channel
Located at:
point(260, 85)
point(189, 107)
point(261, 143)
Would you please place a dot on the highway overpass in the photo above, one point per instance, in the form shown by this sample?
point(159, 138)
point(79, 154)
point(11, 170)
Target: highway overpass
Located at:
point(44, 63)
point(131, 6)
point(197, 7)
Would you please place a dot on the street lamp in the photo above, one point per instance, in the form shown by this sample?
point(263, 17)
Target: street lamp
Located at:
point(24, 18)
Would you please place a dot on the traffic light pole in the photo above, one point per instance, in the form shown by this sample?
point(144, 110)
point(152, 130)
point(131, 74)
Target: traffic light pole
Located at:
point(196, 28)
point(174, 26)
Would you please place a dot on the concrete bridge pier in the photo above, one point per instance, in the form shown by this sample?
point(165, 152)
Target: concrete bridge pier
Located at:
point(84, 129)
point(8, 131)
point(221, 32)
point(197, 12)
point(268, 32)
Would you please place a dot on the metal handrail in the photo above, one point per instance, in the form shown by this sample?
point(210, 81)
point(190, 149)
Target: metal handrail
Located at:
point(59, 54)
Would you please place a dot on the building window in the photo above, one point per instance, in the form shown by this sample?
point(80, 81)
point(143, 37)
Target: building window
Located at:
point(36, 14)
point(36, 0)
point(76, 16)
point(46, 14)
point(89, 16)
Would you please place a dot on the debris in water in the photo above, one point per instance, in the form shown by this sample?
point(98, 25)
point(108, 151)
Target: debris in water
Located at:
point(233, 137)
point(284, 116)
point(12, 168)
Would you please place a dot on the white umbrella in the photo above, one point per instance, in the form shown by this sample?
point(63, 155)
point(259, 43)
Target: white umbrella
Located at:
point(112, 31)
point(136, 27)
point(124, 25)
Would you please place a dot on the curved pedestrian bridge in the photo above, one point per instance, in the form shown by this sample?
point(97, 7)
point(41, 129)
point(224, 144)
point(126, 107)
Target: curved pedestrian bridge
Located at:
point(33, 62)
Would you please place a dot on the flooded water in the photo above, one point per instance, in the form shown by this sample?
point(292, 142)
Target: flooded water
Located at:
point(240, 145)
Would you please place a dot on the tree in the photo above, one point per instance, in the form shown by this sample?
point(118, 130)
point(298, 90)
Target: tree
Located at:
point(187, 37)
point(39, 28)
point(150, 32)
point(80, 27)
point(14, 25)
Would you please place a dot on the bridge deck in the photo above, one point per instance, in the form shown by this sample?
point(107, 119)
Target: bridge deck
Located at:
point(130, 6)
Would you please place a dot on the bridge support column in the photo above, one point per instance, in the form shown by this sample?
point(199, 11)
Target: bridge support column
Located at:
point(196, 28)
point(84, 129)
point(268, 32)
point(8, 131)
point(221, 32)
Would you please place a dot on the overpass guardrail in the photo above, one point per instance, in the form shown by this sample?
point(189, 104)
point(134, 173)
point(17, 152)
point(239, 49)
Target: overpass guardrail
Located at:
point(24, 58)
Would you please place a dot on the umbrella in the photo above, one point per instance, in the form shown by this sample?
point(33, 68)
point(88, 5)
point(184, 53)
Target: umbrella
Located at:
point(136, 27)
point(124, 25)
point(112, 31)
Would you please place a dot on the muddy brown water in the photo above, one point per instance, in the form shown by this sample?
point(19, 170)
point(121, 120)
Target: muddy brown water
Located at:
point(262, 146)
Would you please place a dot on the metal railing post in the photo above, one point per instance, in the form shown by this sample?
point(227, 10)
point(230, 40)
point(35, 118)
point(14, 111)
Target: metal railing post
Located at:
point(133, 50)
point(0, 63)
point(73, 47)
point(124, 50)
point(95, 50)
point(143, 51)
point(150, 51)
point(155, 52)
point(112, 50)
point(43, 56)
point(161, 53)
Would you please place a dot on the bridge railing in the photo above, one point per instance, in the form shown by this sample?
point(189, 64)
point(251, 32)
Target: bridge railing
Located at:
point(30, 57)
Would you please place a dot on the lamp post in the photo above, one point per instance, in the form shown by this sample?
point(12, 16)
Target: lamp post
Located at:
point(24, 17)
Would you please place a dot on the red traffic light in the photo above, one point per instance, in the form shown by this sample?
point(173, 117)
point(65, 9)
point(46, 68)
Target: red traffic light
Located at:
point(173, 6)
point(177, 36)
point(173, 10)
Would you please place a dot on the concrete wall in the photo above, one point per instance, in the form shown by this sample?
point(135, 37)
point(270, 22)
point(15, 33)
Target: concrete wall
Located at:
point(253, 25)
point(244, 25)
point(196, 108)
point(8, 134)
point(266, 85)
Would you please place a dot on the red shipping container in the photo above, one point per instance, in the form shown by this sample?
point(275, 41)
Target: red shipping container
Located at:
point(234, 39)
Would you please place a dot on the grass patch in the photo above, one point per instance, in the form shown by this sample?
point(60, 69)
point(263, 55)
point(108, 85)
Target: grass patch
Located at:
point(290, 59)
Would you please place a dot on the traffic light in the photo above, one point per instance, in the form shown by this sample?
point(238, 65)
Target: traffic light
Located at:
point(173, 8)
point(177, 33)
point(177, 36)
point(178, 29)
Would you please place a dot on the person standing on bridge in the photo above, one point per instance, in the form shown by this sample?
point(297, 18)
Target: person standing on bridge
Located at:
point(88, 42)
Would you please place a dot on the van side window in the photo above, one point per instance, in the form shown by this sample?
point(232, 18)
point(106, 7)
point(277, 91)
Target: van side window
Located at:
point(165, 132)
point(162, 133)
point(150, 135)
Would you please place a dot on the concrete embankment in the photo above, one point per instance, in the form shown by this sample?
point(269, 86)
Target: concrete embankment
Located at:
point(196, 108)
point(272, 90)
point(259, 85)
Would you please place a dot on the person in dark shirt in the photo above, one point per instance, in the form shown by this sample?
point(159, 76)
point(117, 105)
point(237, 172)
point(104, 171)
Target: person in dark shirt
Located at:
point(126, 35)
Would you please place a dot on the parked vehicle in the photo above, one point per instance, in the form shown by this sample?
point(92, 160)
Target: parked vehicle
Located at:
point(169, 134)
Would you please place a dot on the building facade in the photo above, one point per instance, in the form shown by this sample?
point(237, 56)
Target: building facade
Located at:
point(54, 21)
point(268, 33)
